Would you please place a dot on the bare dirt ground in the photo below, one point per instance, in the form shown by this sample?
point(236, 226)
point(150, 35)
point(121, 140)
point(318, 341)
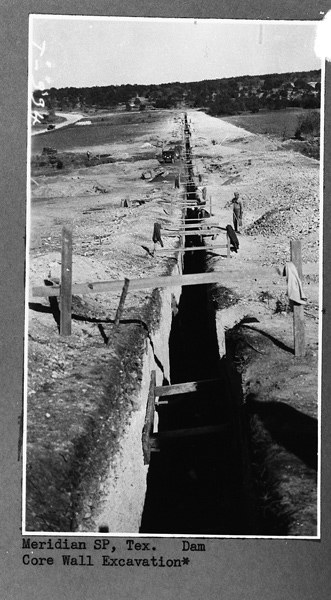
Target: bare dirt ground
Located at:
point(81, 388)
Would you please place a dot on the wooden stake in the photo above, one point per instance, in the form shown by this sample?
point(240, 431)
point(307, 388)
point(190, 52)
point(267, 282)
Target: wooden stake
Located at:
point(66, 282)
point(298, 312)
point(122, 300)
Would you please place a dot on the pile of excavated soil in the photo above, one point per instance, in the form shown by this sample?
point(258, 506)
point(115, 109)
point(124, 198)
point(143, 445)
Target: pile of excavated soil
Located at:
point(294, 207)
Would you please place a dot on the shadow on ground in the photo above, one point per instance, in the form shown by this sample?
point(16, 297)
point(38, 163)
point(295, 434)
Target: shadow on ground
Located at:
point(289, 427)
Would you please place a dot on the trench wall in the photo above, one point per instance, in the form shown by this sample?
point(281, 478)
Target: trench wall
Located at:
point(125, 486)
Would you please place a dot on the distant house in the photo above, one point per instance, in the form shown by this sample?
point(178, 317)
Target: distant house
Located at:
point(137, 102)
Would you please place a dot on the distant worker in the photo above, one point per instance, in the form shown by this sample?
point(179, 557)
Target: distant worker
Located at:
point(177, 181)
point(237, 212)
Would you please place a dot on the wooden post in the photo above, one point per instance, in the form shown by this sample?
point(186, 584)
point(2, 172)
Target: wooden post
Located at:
point(227, 245)
point(122, 300)
point(298, 311)
point(210, 210)
point(66, 281)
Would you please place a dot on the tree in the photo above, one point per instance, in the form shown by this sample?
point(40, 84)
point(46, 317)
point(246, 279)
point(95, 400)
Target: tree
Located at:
point(310, 101)
point(308, 124)
point(301, 84)
point(253, 104)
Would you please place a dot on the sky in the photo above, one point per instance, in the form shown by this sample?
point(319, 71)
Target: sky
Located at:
point(86, 52)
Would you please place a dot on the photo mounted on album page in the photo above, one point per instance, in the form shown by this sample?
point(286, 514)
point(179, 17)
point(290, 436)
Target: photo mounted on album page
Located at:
point(174, 277)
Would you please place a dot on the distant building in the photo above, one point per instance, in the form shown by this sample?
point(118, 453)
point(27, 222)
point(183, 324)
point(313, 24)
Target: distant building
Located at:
point(137, 102)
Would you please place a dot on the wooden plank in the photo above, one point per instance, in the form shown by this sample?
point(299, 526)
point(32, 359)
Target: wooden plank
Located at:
point(190, 233)
point(200, 232)
point(192, 204)
point(163, 436)
point(190, 249)
point(149, 420)
point(203, 220)
point(184, 227)
point(298, 309)
point(186, 205)
point(202, 226)
point(183, 388)
point(66, 282)
point(142, 283)
point(196, 227)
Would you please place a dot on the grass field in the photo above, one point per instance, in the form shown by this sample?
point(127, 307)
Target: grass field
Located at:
point(120, 127)
point(280, 123)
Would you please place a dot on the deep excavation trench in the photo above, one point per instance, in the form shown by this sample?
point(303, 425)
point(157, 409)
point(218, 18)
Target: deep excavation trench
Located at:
point(196, 483)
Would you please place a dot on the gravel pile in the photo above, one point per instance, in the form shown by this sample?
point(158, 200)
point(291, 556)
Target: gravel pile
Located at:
point(298, 215)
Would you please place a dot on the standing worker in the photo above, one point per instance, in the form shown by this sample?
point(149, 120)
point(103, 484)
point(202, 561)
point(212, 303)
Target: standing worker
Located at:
point(237, 212)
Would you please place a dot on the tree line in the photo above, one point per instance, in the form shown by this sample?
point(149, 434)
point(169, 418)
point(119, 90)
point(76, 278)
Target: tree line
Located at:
point(225, 96)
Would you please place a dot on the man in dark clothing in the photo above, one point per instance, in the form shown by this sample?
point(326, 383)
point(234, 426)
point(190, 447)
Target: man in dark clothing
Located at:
point(203, 214)
point(233, 238)
point(157, 236)
point(237, 212)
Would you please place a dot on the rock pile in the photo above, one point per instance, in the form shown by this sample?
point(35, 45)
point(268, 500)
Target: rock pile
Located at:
point(294, 219)
point(289, 207)
point(272, 222)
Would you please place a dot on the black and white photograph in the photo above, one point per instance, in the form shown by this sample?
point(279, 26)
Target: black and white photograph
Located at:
point(173, 318)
